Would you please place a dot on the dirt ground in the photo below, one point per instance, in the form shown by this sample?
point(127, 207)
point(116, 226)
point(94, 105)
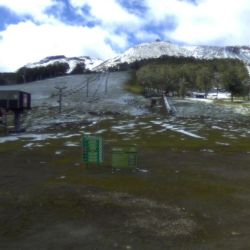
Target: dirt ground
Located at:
point(190, 189)
point(186, 193)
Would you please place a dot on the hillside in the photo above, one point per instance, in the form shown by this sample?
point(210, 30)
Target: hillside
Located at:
point(89, 63)
point(94, 94)
point(147, 51)
point(54, 66)
point(158, 49)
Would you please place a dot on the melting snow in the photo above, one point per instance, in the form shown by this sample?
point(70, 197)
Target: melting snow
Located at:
point(223, 143)
point(72, 144)
point(8, 139)
point(100, 131)
point(208, 150)
point(35, 137)
point(182, 131)
point(59, 152)
point(122, 127)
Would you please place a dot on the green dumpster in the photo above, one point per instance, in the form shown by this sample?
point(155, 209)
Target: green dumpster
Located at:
point(124, 157)
point(92, 149)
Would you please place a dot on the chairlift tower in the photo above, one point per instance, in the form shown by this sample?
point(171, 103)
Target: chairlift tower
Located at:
point(106, 83)
point(60, 95)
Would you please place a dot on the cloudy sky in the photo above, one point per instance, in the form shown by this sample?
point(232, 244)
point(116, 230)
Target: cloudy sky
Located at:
point(33, 29)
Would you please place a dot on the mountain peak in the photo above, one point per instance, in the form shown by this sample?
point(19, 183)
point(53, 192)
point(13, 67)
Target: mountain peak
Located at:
point(157, 49)
point(150, 50)
point(49, 58)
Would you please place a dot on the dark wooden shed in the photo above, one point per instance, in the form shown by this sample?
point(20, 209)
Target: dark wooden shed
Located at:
point(14, 100)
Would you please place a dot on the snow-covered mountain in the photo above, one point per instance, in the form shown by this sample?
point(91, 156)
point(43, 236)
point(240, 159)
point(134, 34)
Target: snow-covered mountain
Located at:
point(158, 49)
point(89, 63)
point(151, 50)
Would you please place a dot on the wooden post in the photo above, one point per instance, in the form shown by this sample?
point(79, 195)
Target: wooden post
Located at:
point(17, 115)
point(4, 120)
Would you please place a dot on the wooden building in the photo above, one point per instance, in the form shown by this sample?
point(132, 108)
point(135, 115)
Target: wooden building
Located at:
point(13, 102)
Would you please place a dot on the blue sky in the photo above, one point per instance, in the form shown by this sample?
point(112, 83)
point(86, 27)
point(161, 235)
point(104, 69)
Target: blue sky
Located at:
point(33, 29)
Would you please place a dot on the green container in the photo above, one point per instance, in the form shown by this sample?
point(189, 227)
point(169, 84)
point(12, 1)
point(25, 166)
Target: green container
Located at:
point(92, 149)
point(124, 157)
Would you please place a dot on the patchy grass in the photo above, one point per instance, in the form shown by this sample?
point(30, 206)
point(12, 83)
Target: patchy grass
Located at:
point(134, 88)
point(132, 85)
point(181, 182)
point(235, 103)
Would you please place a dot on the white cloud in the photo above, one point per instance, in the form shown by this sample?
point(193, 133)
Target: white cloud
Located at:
point(34, 8)
point(28, 42)
point(109, 12)
point(208, 22)
point(143, 36)
point(158, 11)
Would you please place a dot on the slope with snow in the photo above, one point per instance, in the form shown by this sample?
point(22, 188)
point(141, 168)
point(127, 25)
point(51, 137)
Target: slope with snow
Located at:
point(89, 63)
point(150, 50)
point(158, 49)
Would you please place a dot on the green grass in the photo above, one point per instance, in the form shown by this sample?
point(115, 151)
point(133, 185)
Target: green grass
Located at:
point(134, 88)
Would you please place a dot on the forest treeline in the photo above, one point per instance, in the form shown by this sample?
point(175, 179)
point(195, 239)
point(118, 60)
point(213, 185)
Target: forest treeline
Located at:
point(183, 75)
point(171, 74)
point(24, 74)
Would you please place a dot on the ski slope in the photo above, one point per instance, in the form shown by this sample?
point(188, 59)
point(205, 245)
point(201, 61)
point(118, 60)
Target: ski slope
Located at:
point(102, 92)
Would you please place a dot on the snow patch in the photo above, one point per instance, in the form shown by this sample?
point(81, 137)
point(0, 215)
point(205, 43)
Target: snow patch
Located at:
point(182, 131)
point(35, 137)
point(71, 144)
point(89, 63)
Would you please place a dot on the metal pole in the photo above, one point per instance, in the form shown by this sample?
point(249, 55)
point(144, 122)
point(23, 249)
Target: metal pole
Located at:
point(88, 87)
point(106, 84)
point(60, 94)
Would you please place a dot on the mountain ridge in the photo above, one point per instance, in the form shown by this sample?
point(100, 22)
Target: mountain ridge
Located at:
point(161, 48)
point(151, 50)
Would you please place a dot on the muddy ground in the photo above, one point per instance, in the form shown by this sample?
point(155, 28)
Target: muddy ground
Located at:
point(190, 190)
